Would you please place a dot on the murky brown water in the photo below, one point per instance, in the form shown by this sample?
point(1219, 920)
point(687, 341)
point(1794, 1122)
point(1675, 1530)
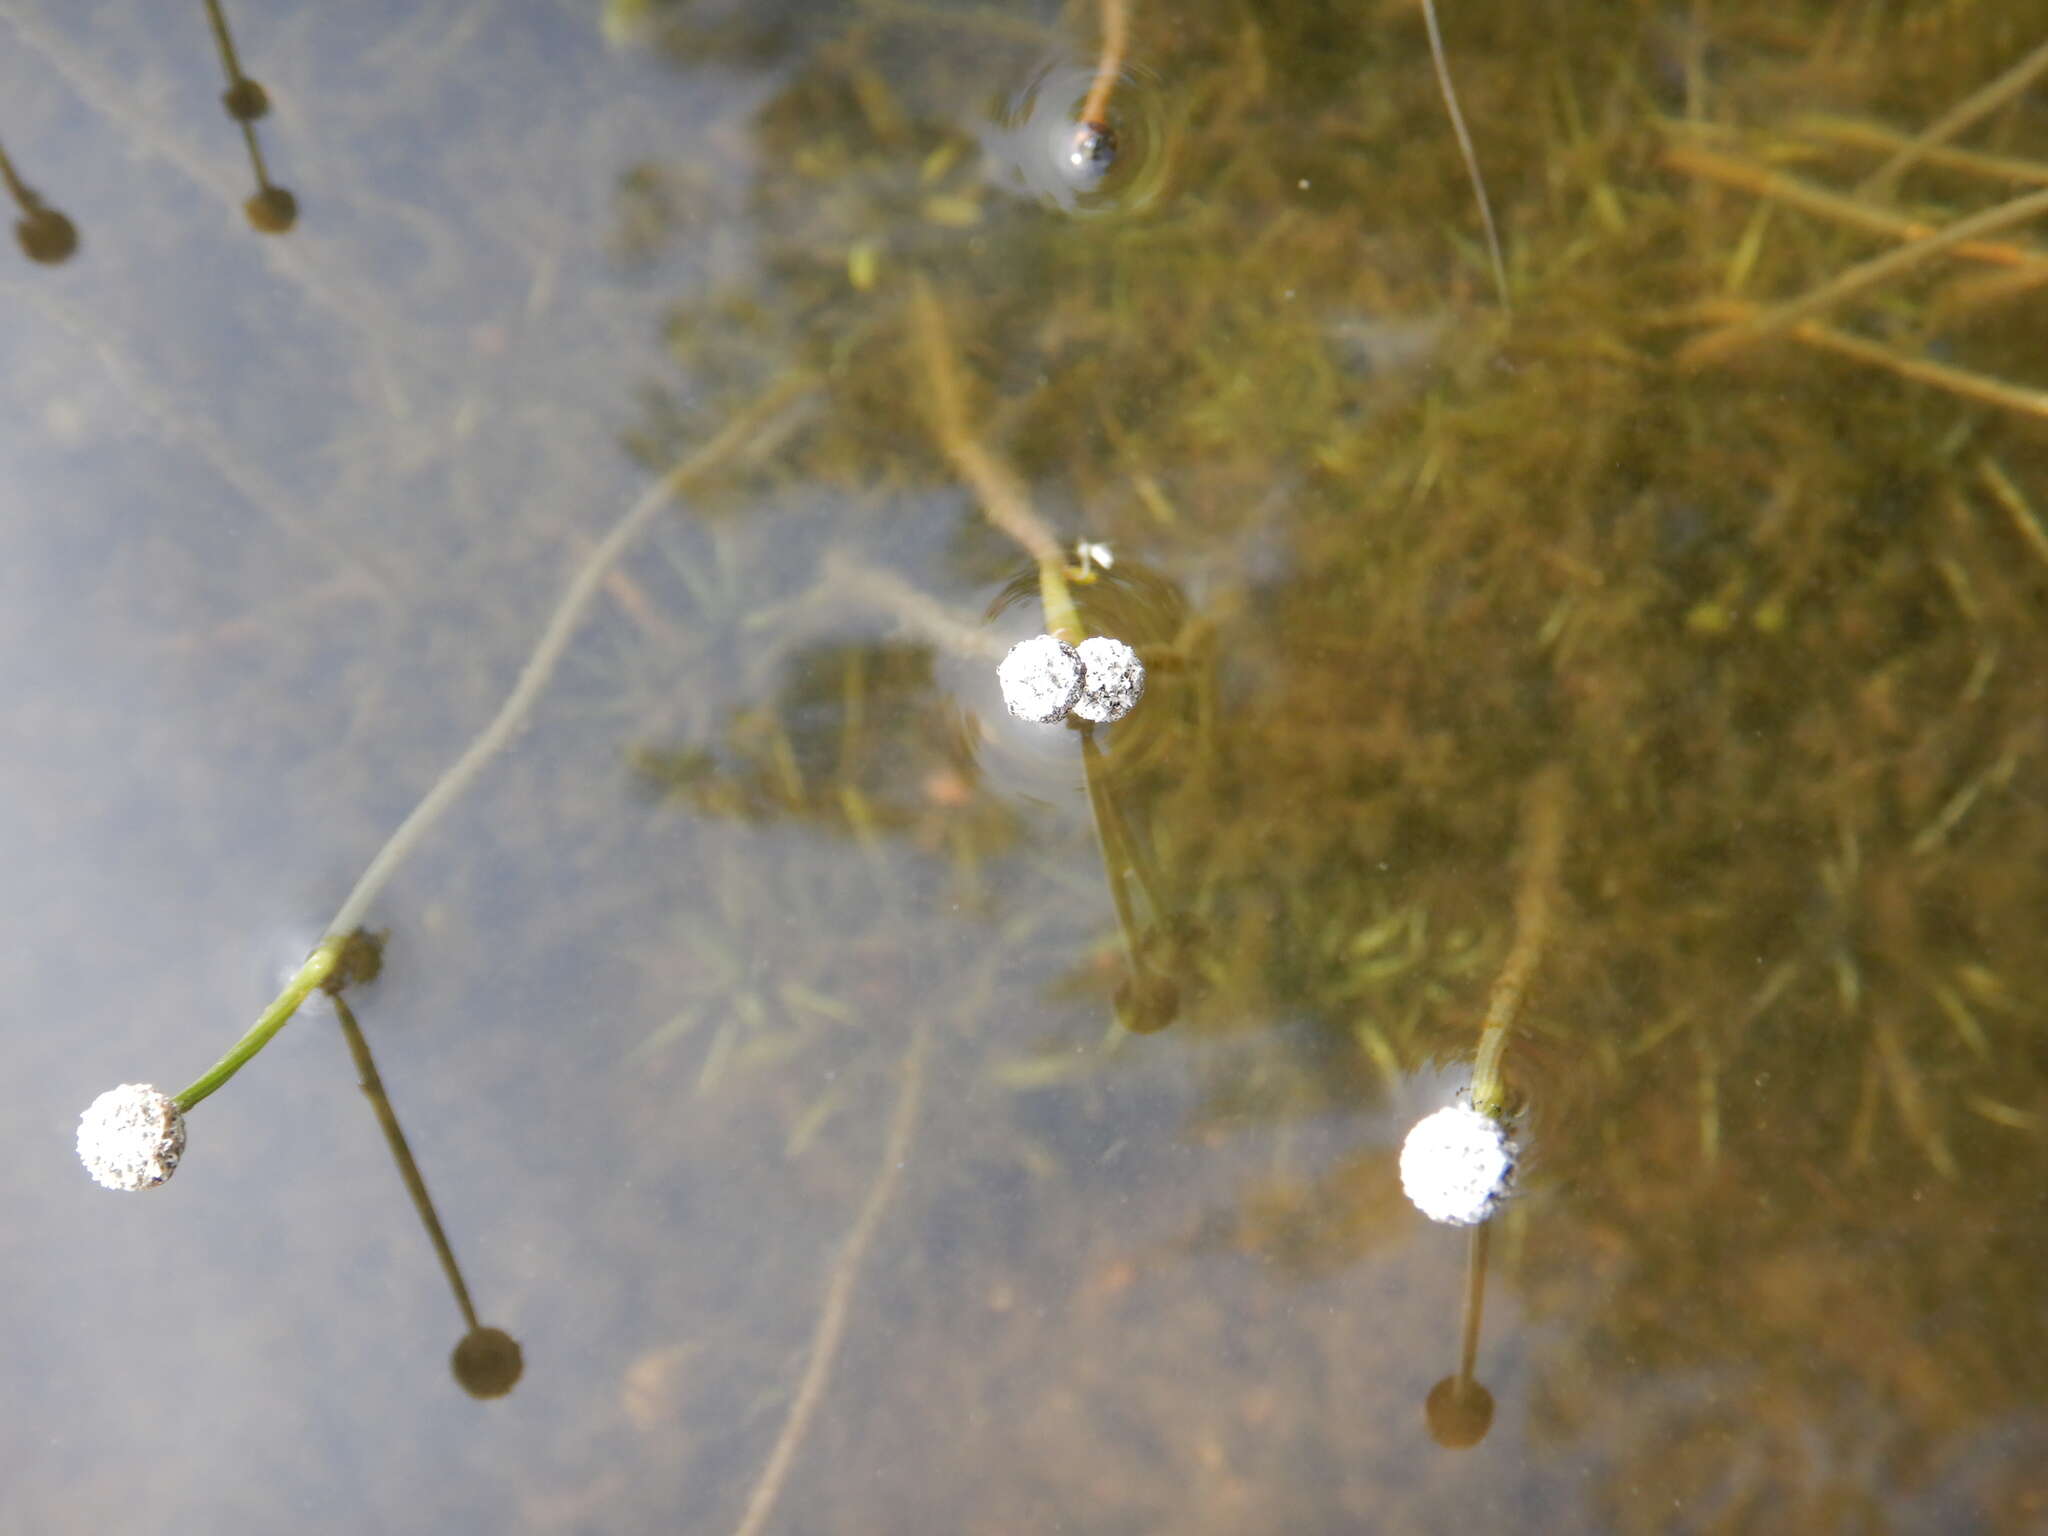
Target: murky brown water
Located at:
point(801, 1052)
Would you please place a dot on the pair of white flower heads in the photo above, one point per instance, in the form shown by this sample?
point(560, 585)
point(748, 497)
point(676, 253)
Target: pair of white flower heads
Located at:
point(1044, 679)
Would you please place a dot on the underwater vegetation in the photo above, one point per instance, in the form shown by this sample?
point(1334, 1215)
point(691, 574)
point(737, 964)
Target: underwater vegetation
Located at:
point(1736, 527)
point(1624, 703)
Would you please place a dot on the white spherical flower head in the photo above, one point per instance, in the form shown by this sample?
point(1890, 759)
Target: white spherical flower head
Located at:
point(1041, 679)
point(131, 1137)
point(1114, 683)
point(1456, 1165)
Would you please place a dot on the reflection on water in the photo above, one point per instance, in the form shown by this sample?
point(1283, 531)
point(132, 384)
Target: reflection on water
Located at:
point(271, 210)
point(881, 1114)
point(44, 234)
point(487, 1361)
point(1115, 166)
point(1460, 1409)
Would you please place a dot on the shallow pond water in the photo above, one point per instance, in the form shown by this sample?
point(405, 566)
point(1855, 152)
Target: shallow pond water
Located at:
point(869, 1112)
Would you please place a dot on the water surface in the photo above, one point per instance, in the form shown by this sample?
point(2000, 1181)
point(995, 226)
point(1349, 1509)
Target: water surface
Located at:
point(282, 512)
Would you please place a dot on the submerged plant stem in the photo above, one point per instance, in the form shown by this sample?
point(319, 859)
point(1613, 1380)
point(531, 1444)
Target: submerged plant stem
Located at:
point(1443, 80)
point(2020, 398)
point(547, 651)
point(1542, 847)
point(1779, 187)
point(1718, 346)
point(832, 1316)
point(1859, 134)
point(1004, 500)
point(1976, 105)
point(533, 677)
point(1109, 65)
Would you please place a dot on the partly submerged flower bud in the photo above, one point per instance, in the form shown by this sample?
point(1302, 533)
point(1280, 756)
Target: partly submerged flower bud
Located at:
point(1114, 681)
point(272, 211)
point(1041, 679)
point(1457, 1164)
point(131, 1137)
point(1091, 151)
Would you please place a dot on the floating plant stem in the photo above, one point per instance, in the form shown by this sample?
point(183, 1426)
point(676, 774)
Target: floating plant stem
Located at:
point(832, 1316)
point(1542, 845)
point(306, 980)
point(320, 965)
point(1450, 95)
point(843, 576)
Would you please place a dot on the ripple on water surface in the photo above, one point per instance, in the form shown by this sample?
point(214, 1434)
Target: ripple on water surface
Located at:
point(1039, 145)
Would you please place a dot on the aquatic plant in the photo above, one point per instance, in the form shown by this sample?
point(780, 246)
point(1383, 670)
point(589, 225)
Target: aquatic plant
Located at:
point(1779, 627)
point(113, 1132)
point(1781, 622)
point(1458, 1163)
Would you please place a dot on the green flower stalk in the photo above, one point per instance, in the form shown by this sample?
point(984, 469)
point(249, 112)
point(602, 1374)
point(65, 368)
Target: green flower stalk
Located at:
point(1458, 1164)
point(132, 1136)
point(1542, 840)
